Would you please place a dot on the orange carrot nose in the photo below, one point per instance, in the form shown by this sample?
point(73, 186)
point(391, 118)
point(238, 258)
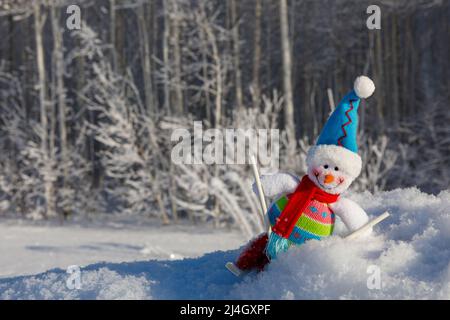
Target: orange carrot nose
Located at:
point(328, 178)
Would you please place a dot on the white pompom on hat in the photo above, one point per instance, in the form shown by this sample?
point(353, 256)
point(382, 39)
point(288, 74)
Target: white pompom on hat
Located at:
point(364, 87)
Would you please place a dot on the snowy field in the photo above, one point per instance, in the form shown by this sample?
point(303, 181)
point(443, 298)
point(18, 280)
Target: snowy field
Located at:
point(30, 248)
point(411, 250)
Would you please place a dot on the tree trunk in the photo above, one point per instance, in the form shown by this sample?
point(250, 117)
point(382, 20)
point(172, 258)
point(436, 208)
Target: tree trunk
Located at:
point(178, 96)
point(236, 54)
point(219, 86)
point(208, 105)
point(112, 33)
point(287, 77)
point(395, 89)
point(145, 59)
point(165, 50)
point(40, 63)
point(212, 41)
point(58, 48)
point(379, 75)
point(256, 86)
point(118, 36)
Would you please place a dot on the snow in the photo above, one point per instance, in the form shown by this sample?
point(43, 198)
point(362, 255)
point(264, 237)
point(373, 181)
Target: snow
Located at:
point(33, 247)
point(410, 250)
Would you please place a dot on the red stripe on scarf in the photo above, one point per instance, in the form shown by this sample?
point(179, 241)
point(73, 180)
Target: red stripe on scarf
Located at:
point(297, 203)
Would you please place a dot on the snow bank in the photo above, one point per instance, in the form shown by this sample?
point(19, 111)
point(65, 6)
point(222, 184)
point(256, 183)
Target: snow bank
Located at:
point(410, 250)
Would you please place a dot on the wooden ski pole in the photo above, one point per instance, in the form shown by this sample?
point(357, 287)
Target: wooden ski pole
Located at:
point(262, 198)
point(232, 267)
point(367, 226)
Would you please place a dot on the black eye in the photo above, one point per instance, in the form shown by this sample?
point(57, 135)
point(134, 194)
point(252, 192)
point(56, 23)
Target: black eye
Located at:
point(325, 166)
point(336, 168)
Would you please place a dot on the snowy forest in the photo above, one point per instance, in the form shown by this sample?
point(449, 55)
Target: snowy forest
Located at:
point(86, 114)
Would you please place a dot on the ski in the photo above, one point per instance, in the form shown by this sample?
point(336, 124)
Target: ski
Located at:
point(234, 269)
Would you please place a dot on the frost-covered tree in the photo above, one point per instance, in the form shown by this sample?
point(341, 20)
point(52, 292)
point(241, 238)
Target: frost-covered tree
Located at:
point(125, 132)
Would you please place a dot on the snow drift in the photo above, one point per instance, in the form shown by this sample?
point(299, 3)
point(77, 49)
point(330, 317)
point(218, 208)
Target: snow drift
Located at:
point(411, 250)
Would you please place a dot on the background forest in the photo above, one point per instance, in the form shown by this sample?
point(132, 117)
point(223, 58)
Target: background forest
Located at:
point(86, 115)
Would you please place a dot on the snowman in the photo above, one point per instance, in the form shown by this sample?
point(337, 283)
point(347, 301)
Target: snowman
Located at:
point(305, 209)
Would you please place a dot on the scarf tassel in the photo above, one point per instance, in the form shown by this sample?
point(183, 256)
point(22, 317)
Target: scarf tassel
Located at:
point(276, 245)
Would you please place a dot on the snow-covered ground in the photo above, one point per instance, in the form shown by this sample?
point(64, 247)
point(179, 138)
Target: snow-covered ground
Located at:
point(410, 252)
point(30, 248)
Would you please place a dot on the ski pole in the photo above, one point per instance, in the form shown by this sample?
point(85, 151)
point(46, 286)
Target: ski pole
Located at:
point(367, 226)
point(262, 198)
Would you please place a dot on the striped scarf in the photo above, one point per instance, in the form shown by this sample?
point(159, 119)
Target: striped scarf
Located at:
point(298, 200)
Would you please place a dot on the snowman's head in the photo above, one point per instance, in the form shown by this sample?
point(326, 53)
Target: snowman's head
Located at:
point(332, 168)
point(333, 163)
